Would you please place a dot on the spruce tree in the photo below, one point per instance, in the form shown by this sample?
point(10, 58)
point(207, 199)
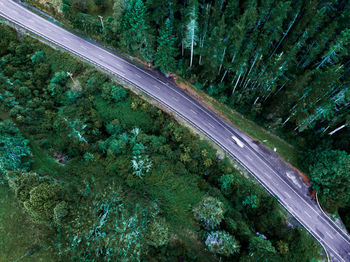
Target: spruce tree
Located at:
point(137, 35)
point(166, 51)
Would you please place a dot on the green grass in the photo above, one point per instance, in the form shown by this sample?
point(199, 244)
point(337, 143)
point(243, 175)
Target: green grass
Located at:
point(42, 162)
point(285, 150)
point(18, 234)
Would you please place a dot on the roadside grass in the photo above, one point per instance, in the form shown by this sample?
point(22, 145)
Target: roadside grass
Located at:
point(285, 150)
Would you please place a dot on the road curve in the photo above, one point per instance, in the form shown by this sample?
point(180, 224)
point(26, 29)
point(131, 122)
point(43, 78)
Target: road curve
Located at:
point(276, 176)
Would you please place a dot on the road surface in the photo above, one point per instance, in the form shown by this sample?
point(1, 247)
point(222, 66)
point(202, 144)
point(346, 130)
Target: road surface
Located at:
point(275, 175)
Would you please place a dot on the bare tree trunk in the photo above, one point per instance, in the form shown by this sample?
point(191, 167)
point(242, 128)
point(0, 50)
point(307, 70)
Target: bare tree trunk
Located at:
point(236, 84)
point(337, 129)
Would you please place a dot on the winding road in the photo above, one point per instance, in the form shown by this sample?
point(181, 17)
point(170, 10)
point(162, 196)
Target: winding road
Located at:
point(275, 175)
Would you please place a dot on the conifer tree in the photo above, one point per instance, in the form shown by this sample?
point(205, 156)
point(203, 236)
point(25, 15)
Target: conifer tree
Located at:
point(137, 35)
point(166, 52)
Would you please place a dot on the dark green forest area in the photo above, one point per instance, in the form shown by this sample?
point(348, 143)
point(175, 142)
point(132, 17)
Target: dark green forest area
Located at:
point(91, 172)
point(283, 64)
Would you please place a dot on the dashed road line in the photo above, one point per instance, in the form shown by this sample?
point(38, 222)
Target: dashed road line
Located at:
point(157, 87)
point(308, 214)
point(138, 75)
point(287, 194)
point(211, 125)
point(101, 56)
point(194, 112)
point(329, 235)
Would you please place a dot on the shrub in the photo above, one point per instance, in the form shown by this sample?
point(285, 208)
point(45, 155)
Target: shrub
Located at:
point(222, 243)
point(13, 149)
point(210, 211)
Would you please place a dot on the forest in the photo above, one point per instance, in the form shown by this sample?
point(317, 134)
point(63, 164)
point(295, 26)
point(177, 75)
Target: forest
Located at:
point(283, 64)
point(89, 171)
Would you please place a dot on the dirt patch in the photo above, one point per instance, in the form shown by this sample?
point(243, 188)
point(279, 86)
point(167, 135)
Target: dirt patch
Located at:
point(305, 178)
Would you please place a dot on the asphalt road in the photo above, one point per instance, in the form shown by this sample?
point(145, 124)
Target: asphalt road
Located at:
point(275, 175)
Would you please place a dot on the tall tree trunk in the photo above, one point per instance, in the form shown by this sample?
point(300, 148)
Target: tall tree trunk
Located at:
point(236, 84)
point(337, 129)
point(285, 34)
point(192, 43)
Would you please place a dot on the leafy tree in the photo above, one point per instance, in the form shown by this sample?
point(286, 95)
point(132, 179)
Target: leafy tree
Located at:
point(329, 173)
point(158, 233)
point(166, 51)
point(222, 243)
point(13, 149)
point(42, 198)
point(210, 211)
point(261, 249)
point(114, 93)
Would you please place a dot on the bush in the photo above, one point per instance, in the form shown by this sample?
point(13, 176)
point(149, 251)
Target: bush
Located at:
point(13, 149)
point(222, 243)
point(210, 211)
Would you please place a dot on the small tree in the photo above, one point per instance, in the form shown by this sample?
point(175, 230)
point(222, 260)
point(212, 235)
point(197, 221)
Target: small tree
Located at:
point(41, 197)
point(210, 211)
point(13, 149)
point(157, 233)
point(222, 243)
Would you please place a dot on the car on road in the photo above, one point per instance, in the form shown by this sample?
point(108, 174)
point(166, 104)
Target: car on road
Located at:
point(237, 141)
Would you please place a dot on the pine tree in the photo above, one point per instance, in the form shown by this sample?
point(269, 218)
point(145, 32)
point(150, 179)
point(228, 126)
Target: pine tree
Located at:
point(166, 52)
point(137, 35)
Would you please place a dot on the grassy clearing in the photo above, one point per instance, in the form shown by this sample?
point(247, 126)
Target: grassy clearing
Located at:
point(286, 151)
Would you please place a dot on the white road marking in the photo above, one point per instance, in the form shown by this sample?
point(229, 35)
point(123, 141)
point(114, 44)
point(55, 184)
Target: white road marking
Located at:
point(211, 125)
point(138, 76)
point(194, 112)
point(101, 56)
point(83, 47)
point(173, 97)
point(287, 194)
point(329, 235)
point(308, 214)
point(65, 38)
point(157, 87)
point(268, 176)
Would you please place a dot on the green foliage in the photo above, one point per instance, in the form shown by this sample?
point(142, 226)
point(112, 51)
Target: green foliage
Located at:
point(210, 211)
point(13, 149)
point(136, 31)
point(42, 198)
point(37, 57)
point(166, 51)
point(222, 243)
point(158, 233)
point(329, 172)
point(261, 249)
point(113, 93)
point(110, 229)
point(250, 201)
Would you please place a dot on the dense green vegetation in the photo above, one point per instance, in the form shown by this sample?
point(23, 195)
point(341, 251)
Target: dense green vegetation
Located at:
point(284, 64)
point(101, 175)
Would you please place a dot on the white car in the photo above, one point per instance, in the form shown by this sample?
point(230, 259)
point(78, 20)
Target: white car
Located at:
point(237, 141)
